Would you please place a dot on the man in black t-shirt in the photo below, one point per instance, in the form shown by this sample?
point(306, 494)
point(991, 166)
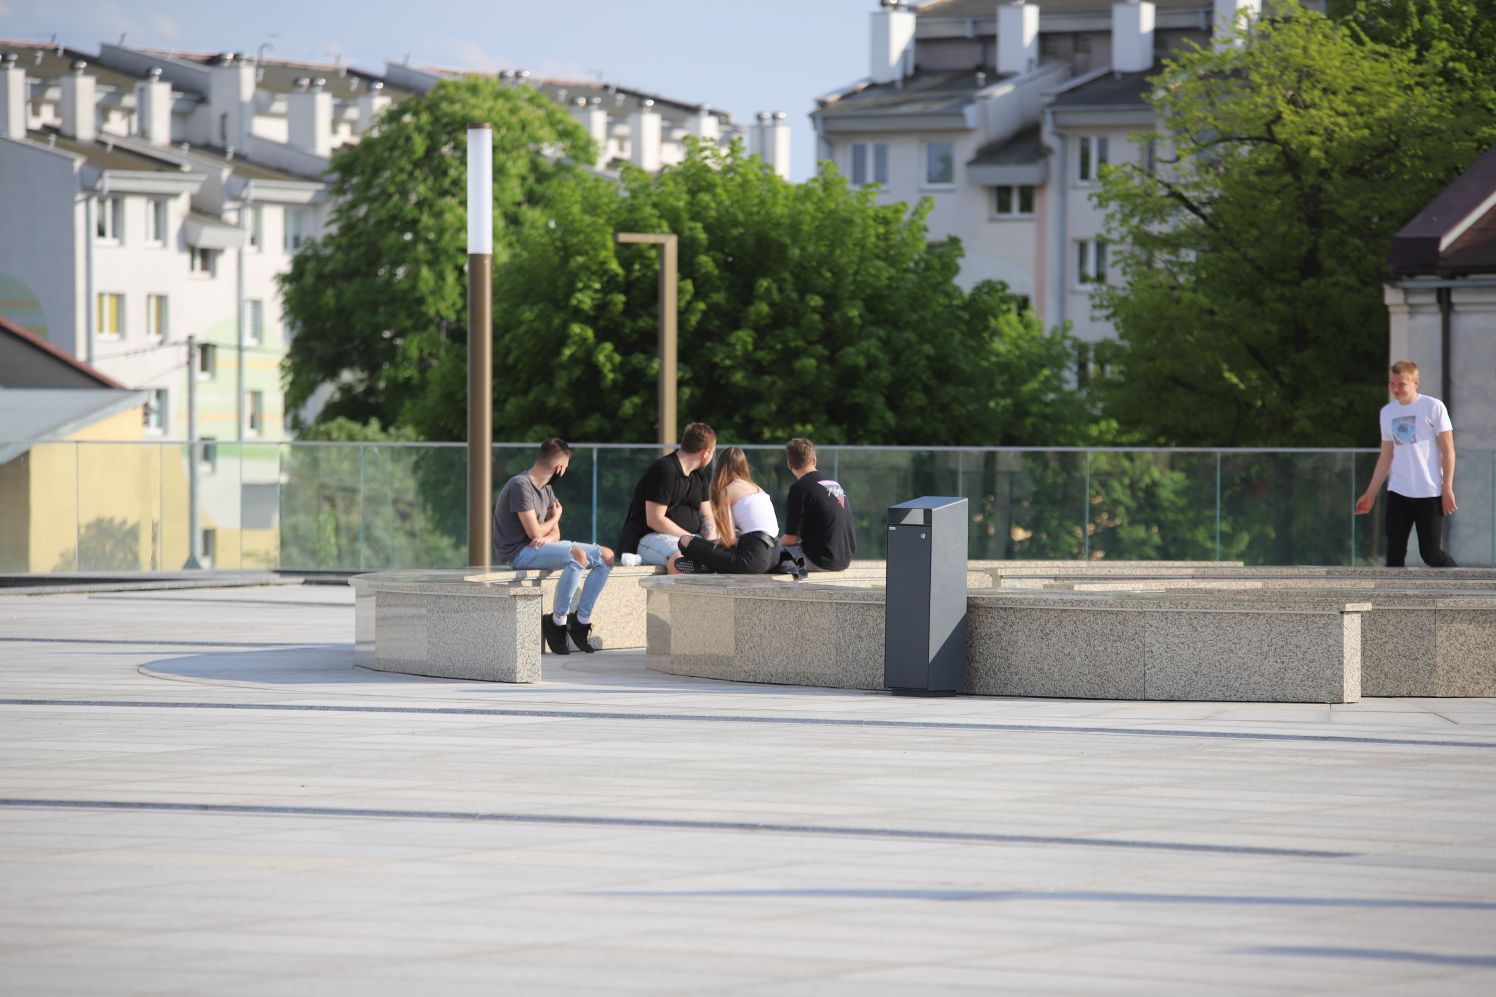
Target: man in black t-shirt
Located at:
point(672, 500)
point(818, 533)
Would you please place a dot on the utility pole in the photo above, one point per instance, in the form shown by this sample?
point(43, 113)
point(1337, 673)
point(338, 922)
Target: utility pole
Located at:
point(480, 342)
point(194, 532)
point(669, 266)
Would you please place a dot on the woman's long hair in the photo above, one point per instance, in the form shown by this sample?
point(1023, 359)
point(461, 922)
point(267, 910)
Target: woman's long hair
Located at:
point(732, 465)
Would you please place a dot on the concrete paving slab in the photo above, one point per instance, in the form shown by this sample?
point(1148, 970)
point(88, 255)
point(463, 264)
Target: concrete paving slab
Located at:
point(199, 792)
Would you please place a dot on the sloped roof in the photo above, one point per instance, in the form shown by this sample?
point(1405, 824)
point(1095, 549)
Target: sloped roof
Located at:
point(1455, 236)
point(51, 62)
point(105, 153)
point(988, 8)
point(1019, 149)
point(35, 415)
point(74, 370)
point(1108, 90)
point(921, 94)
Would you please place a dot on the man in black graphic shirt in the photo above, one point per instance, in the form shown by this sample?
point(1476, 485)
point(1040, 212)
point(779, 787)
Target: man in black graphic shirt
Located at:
point(818, 533)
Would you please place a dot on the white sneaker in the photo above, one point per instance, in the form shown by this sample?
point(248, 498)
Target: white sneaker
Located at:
point(630, 560)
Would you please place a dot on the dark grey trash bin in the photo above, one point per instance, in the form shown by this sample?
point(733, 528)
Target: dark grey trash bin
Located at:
point(924, 626)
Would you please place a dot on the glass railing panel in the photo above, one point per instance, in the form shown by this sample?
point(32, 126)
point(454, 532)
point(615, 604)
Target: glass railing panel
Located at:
point(38, 507)
point(1287, 508)
point(413, 507)
point(320, 507)
point(1152, 505)
point(118, 507)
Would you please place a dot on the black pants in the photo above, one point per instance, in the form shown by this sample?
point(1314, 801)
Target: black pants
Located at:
point(751, 555)
point(1427, 514)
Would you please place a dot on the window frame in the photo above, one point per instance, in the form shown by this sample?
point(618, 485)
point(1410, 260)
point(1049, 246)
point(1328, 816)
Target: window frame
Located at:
point(1091, 263)
point(202, 263)
point(1015, 212)
point(157, 402)
point(254, 238)
point(157, 222)
point(254, 414)
point(207, 361)
point(119, 325)
point(157, 318)
point(928, 148)
point(254, 321)
point(109, 220)
point(1092, 152)
point(295, 236)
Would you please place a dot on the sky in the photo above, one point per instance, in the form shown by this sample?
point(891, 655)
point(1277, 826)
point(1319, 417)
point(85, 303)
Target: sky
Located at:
point(764, 55)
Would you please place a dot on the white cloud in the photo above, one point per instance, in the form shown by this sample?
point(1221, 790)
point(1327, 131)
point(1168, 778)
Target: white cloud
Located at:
point(6, 9)
point(463, 53)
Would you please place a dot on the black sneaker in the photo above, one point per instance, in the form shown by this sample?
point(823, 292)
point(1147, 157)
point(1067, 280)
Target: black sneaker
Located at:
point(554, 635)
point(580, 633)
point(686, 566)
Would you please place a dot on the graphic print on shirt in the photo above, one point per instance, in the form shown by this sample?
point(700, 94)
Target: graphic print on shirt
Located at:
point(835, 489)
point(1404, 429)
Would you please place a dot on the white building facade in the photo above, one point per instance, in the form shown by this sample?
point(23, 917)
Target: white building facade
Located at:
point(1002, 113)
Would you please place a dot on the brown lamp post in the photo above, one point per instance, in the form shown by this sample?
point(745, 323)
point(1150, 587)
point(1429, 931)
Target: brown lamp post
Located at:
point(480, 342)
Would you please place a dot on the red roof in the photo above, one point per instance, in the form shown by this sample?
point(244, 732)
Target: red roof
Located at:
point(31, 339)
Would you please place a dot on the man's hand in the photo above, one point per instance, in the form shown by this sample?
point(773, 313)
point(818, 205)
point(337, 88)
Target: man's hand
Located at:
point(1364, 504)
point(1448, 500)
point(553, 513)
point(539, 541)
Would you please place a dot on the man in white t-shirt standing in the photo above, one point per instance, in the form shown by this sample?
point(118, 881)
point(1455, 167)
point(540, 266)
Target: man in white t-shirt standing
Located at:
point(1417, 462)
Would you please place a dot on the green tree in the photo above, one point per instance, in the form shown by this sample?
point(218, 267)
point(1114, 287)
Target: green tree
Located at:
point(1251, 312)
point(804, 309)
point(381, 301)
point(1456, 37)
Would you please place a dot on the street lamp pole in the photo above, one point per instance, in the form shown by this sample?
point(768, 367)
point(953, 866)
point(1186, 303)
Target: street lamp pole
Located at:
point(480, 341)
point(669, 266)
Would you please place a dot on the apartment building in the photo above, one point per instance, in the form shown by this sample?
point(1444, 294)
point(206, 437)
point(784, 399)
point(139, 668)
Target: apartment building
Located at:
point(1002, 115)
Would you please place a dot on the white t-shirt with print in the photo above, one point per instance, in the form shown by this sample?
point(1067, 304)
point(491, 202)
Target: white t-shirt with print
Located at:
point(1413, 430)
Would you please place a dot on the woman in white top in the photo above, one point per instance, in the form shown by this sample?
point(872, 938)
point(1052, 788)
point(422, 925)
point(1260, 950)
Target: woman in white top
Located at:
point(746, 524)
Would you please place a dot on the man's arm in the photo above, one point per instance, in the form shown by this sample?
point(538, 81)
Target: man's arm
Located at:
point(540, 533)
point(1384, 466)
point(708, 521)
point(1446, 459)
point(658, 522)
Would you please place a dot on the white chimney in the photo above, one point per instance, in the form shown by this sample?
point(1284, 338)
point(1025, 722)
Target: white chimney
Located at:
point(370, 103)
point(644, 137)
point(231, 92)
point(309, 117)
point(704, 125)
point(153, 108)
point(1017, 37)
point(594, 120)
point(892, 55)
point(1227, 15)
point(769, 140)
point(13, 105)
point(78, 104)
point(1132, 36)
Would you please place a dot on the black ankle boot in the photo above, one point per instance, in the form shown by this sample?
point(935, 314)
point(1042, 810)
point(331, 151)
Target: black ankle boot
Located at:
point(581, 633)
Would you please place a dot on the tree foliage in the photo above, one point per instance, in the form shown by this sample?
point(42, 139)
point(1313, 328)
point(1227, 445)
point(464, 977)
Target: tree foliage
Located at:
point(1252, 310)
point(803, 309)
point(380, 303)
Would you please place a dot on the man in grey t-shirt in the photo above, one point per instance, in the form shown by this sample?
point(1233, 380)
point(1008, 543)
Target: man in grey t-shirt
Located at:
point(527, 535)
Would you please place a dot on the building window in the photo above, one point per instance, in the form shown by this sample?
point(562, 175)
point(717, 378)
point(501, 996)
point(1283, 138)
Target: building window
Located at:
point(254, 225)
point(254, 413)
point(1090, 157)
point(110, 320)
point(155, 412)
point(254, 322)
point(869, 163)
point(1090, 261)
point(288, 329)
point(155, 222)
point(207, 361)
point(940, 164)
point(210, 547)
point(202, 261)
point(155, 317)
point(1013, 202)
point(109, 226)
point(207, 453)
point(298, 228)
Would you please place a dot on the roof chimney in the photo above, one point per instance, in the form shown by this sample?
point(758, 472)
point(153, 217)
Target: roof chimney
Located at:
point(644, 137)
point(1017, 37)
point(153, 108)
point(309, 117)
point(231, 91)
point(892, 54)
point(12, 98)
point(1132, 36)
point(370, 103)
point(774, 142)
point(78, 121)
point(594, 119)
point(704, 125)
point(1227, 17)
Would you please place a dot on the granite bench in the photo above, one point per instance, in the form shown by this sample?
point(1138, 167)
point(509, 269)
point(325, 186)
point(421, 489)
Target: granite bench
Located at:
point(476, 623)
point(1080, 645)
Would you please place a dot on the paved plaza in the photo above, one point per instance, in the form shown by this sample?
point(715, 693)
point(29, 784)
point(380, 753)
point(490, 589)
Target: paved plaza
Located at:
point(200, 793)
